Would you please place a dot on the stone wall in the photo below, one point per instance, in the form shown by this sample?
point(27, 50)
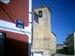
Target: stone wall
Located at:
point(43, 39)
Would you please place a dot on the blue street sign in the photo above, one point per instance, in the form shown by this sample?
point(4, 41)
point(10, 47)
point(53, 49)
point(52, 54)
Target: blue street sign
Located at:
point(19, 24)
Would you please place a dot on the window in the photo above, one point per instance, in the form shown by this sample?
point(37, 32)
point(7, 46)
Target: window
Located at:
point(40, 13)
point(2, 35)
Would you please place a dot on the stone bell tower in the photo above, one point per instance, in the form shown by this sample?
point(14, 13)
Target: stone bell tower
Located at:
point(42, 36)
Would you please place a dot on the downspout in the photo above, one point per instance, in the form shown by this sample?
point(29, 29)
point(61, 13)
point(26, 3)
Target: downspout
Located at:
point(30, 22)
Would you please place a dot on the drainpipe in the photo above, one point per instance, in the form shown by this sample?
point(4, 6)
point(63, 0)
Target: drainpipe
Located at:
point(30, 22)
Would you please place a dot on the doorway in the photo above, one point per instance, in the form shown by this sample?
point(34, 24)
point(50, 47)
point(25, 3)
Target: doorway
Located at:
point(37, 53)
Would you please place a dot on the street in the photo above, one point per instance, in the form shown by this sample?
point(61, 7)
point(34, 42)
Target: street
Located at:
point(63, 55)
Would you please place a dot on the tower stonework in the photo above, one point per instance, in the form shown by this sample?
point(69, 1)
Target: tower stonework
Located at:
point(44, 42)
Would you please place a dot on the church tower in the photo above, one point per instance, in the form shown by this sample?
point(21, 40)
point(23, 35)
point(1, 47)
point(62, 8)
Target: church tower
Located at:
point(42, 36)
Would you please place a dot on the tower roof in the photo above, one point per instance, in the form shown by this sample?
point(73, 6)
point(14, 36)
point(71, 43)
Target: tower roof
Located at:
point(42, 7)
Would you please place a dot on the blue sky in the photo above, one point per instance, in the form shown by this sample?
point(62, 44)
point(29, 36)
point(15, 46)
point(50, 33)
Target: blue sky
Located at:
point(62, 16)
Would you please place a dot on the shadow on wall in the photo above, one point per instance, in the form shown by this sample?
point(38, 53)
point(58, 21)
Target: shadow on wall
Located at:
point(66, 51)
point(15, 48)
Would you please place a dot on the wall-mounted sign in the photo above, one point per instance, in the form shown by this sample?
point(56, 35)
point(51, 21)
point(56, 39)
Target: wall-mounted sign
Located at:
point(19, 24)
point(37, 53)
point(36, 18)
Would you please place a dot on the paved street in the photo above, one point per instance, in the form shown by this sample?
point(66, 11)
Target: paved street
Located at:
point(63, 55)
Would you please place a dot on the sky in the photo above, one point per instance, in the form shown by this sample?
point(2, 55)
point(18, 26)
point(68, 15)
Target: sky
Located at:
point(62, 16)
